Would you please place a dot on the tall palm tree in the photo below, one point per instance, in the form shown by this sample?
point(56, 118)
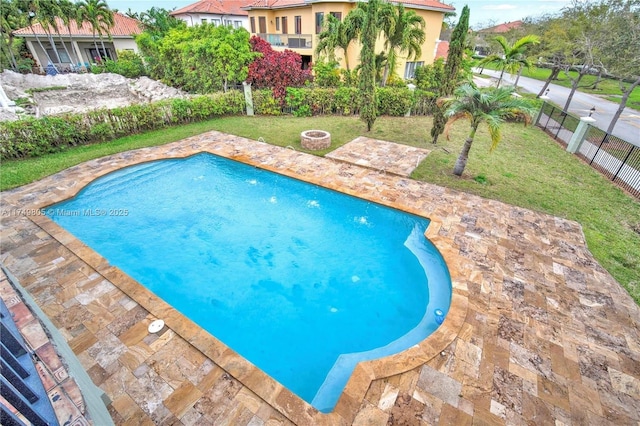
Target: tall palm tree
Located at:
point(50, 11)
point(69, 13)
point(33, 9)
point(337, 34)
point(490, 105)
point(98, 14)
point(404, 33)
point(512, 58)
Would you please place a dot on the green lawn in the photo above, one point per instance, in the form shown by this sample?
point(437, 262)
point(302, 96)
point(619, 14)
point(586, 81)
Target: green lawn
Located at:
point(527, 169)
point(609, 89)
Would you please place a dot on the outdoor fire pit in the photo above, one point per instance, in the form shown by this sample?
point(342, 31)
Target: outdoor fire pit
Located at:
point(315, 139)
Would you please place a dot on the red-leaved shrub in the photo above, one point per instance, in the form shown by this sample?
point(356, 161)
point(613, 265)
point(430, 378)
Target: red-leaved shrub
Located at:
point(277, 70)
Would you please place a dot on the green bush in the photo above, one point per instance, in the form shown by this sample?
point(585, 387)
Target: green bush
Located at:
point(31, 137)
point(129, 64)
point(264, 103)
point(394, 101)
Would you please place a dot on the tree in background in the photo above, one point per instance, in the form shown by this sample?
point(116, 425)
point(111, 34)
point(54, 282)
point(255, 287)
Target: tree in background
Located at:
point(403, 33)
point(11, 19)
point(452, 69)
point(98, 14)
point(620, 52)
point(337, 34)
point(277, 70)
point(157, 24)
point(490, 105)
point(203, 58)
point(367, 84)
point(513, 56)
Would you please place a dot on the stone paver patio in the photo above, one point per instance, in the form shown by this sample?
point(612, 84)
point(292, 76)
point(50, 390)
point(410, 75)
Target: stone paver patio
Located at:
point(380, 155)
point(538, 332)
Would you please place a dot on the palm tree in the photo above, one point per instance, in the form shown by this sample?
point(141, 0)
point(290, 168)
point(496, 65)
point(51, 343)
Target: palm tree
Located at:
point(513, 57)
point(404, 32)
point(337, 34)
point(490, 105)
point(33, 10)
point(98, 14)
point(10, 19)
point(50, 10)
point(68, 13)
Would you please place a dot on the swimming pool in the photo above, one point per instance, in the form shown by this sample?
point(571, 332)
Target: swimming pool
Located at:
point(251, 257)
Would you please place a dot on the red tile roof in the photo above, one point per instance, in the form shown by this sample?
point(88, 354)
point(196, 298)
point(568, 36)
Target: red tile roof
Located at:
point(276, 4)
point(215, 7)
point(124, 26)
point(442, 49)
point(503, 28)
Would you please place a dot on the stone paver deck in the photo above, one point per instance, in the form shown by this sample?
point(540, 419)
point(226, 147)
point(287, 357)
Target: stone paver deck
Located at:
point(380, 155)
point(538, 332)
point(63, 392)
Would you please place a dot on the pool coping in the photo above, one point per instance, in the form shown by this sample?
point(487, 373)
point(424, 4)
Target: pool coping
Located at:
point(276, 395)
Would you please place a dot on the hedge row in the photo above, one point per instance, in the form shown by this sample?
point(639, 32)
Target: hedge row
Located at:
point(392, 101)
point(32, 137)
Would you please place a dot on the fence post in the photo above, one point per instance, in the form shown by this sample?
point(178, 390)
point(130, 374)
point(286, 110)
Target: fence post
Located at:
point(544, 103)
point(578, 136)
point(248, 97)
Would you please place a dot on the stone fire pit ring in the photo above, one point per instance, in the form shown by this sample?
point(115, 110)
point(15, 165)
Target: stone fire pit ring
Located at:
point(315, 139)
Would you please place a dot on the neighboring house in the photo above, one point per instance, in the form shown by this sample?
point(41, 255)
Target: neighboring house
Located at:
point(295, 25)
point(484, 36)
point(216, 12)
point(502, 28)
point(81, 44)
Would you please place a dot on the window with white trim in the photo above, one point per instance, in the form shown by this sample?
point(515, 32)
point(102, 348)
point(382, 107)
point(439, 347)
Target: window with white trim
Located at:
point(410, 69)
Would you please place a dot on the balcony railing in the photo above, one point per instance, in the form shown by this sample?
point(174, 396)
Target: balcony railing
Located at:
point(289, 41)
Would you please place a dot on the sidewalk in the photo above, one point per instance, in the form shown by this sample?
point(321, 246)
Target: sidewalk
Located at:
point(627, 127)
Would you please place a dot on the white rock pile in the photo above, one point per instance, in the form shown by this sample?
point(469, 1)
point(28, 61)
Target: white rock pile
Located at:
point(81, 92)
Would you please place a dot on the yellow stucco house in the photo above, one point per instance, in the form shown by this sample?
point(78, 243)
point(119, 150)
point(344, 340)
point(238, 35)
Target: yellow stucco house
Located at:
point(295, 25)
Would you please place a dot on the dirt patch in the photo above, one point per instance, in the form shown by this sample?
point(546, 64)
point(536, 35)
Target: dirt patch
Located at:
point(62, 93)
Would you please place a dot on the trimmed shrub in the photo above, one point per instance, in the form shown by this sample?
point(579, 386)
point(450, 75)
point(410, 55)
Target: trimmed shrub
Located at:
point(31, 137)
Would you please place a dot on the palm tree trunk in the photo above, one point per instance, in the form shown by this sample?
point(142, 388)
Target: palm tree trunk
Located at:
point(43, 49)
point(9, 53)
point(461, 162)
point(500, 79)
point(623, 104)
point(104, 49)
point(515, 85)
point(385, 75)
point(95, 43)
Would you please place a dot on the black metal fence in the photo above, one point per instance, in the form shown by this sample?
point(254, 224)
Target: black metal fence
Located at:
point(558, 124)
point(615, 158)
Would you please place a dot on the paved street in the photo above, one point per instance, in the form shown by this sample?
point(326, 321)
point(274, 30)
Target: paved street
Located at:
point(627, 127)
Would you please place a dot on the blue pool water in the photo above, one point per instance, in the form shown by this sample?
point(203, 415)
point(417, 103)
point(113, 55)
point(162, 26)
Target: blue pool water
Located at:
point(302, 281)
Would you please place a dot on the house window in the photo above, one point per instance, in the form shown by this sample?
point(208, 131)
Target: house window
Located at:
point(410, 69)
point(216, 22)
point(319, 21)
point(237, 24)
point(298, 24)
point(227, 22)
point(285, 30)
point(203, 20)
point(337, 15)
point(253, 24)
point(262, 23)
point(278, 24)
point(100, 54)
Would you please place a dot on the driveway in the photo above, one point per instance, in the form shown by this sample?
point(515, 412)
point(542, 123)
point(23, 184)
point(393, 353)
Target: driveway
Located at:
point(627, 127)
